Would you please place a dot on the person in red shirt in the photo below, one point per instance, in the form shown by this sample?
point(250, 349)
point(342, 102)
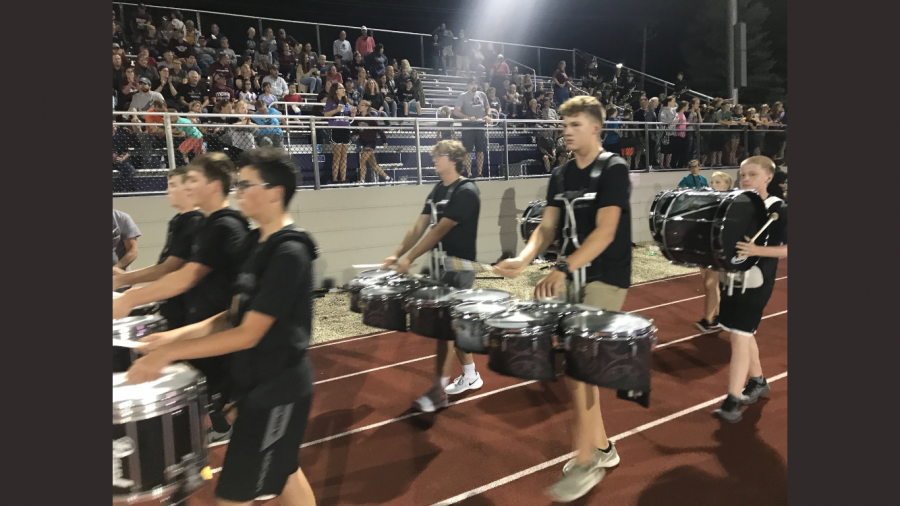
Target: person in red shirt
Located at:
point(499, 72)
point(222, 68)
point(220, 91)
point(365, 44)
point(293, 96)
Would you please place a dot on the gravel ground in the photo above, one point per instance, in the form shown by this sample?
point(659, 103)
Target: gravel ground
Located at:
point(334, 320)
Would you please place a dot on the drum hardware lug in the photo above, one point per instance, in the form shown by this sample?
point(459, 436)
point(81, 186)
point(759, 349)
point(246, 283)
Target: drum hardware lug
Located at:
point(634, 349)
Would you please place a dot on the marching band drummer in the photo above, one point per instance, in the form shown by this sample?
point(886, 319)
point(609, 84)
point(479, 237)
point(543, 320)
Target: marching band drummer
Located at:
point(606, 226)
point(719, 181)
point(175, 253)
point(206, 279)
point(744, 297)
point(267, 332)
point(456, 231)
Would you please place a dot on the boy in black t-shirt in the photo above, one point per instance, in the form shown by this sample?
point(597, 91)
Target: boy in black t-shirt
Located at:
point(604, 231)
point(175, 253)
point(744, 296)
point(267, 333)
point(456, 230)
point(205, 280)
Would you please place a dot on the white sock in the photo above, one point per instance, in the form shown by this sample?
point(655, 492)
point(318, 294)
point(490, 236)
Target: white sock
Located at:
point(469, 370)
point(445, 380)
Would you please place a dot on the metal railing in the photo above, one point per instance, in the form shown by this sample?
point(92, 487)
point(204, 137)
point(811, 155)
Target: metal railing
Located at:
point(143, 152)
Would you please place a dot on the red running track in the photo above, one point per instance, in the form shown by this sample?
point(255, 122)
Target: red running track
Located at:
point(504, 444)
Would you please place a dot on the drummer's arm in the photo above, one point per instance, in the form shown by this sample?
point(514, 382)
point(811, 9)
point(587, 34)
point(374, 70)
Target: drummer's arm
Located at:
point(542, 237)
point(245, 336)
point(598, 240)
point(413, 235)
point(148, 274)
point(209, 326)
point(168, 286)
point(431, 239)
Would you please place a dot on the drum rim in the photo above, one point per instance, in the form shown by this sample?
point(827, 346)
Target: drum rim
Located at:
point(154, 405)
point(456, 312)
point(639, 333)
point(129, 331)
point(162, 492)
point(411, 302)
point(458, 293)
point(384, 296)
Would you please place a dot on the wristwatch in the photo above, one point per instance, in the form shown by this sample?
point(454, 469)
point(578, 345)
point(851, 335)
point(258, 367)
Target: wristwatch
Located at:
point(562, 267)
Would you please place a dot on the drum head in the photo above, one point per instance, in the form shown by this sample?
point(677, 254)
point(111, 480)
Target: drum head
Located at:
point(481, 295)
point(175, 378)
point(368, 278)
point(433, 294)
point(744, 216)
point(612, 323)
point(520, 320)
point(560, 308)
point(383, 291)
point(479, 309)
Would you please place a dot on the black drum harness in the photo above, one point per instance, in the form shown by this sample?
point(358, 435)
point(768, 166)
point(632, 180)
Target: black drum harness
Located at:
point(437, 212)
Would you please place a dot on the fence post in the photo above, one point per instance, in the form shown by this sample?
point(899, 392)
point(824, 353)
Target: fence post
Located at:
point(746, 136)
point(506, 148)
point(539, 71)
point(170, 141)
point(261, 33)
point(318, 39)
point(573, 63)
point(418, 154)
point(200, 30)
point(422, 50)
point(647, 145)
point(315, 152)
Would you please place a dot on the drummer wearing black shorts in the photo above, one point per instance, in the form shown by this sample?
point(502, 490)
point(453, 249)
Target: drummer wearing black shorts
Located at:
point(267, 331)
point(741, 311)
point(456, 231)
point(606, 230)
point(176, 251)
point(205, 280)
point(470, 105)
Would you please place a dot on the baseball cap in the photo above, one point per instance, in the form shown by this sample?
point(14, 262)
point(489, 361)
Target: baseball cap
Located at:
point(472, 80)
point(364, 28)
point(144, 80)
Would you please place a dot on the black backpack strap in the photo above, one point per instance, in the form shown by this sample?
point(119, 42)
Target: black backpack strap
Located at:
point(606, 159)
point(558, 173)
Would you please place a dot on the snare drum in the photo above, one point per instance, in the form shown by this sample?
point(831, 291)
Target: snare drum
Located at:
point(150, 308)
point(159, 443)
point(609, 349)
point(367, 278)
point(559, 310)
point(520, 344)
point(382, 307)
point(701, 228)
point(429, 312)
point(468, 318)
point(133, 328)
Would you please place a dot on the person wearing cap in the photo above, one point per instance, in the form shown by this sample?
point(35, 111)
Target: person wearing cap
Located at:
point(342, 47)
point(145, 97)
point(365, 44)
point(470, 106)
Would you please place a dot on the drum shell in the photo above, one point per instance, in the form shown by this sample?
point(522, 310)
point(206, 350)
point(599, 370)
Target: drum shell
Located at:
point(123, 357)
point(531, 220)
point(527, 355)
point(383, 312)
point(356, 285)
point(619, 364)
point(431, 321)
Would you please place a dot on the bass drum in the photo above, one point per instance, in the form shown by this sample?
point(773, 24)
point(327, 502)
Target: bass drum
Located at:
point(531, 220)
point(701, 228)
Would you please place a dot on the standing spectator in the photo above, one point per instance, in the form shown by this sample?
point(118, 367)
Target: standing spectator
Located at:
point(222, 68)
point(527, 89)
point(681, 86)
point(752, 122)
point(365, 44)
point(679, 140)
point(499, 72)
point(181, 47)
point(226, 49)
point(694, 119)
point(118, 38)
point(214, 40)
point(193, 141)
point(356, 64)
point(154, 136)
point(613, 131)
point(667, 116)
point(268, 44)
point(473, 106)
point(353, 94)
point(287, 62)
point(376, 62)
point(144, 98)
point(340, 68)
point(271, 135)
point(248, 95)
point(250, 44)
point(194, 90)
point(190, 33)
point(308, 74)
point(118, 71)
point(167, 89)
point(650, 116)
point(139, 23)
point(389, 92)
point(240, 136)
point(737, 128)
point(278, 85)
point(125, 235)
point(267, 96)
point(221, 91)
point(283, 38)
point(461, 50)
point(206, 55)
point(721, 139)
point(445, 39)
point(165, 30)
point(367, 140)
point(151, 42)
point(641, 146)
point(177, 21)
point(627, 141)
point(342, 47)
point(337, 107)
point(437, 55)
point(560, 84)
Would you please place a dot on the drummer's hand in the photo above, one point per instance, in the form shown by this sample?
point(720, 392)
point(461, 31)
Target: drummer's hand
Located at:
point(547, 287)
point(153, 341)
point(121, 307)
point(389, 261)
point(147, 368)
point(747, 249)
point(117, 271)
point(511, 267)
point(117, 281)
point(403, 265)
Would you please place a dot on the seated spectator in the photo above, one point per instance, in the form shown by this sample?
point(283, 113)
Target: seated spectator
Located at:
point(322, 64)
point(181, 47)
point(322, 95)
point(287, 61)
point(365, 44)
point(308, 75)
point(268, 44)
point(247, 75)
point(167, 89)
point(215, 37)
point(118, 71)
point(177, 73)
point(191, 34)
point(333, 76)
point(267, 96)
point(418, 88)
point(168, 60)
point(118, 38)
point(283, 38)
point(195, 90)
point(476, 58)
point(193, 142)
point(206, 55)
point(340, 68)
point(251, 44)
point(263, 59)
point(240, 136)
point(362, 75)
point(493, 101)
point(271, 135)
point(403, 73)
point(313, 57)
point(144, 98)
point(513, 102)
point(293, 97)
point(532, 112)
point(407, 98)
point(165, 30)
point(527, 89)
point(394, 65)
point(352, 92)
point(226, 49)
point(376, 61)
point(190, 64)
point(278, 86)
point(390, 95)
point(372, 94)
point(248, 95)
point(177, 20)
point(356, 64)
point(222, 67)
point(220, 91)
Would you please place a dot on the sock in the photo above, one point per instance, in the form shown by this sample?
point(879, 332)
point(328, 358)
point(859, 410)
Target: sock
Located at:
point(469, 370)
point(445, 380)
point(759, 379)
point(608, 448)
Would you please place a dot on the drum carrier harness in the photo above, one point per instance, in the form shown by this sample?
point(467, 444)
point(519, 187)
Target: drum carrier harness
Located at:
point(572, 200)
point(437, 212)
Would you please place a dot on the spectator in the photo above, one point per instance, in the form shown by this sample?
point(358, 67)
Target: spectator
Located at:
point(513, 102)
point(268, 44)
point(118, 71)
point(222, 68)
point(527, 89)
point(125, 235)
point(322, 64)
point(681, 86)
point(278, 85)
point(271, 135)
point(337, 107)
point(650, 116)
point(342, 47)
point(356, 64)
point(736, 129)
point(248, 75)
point(240, 136)
point(226, 49)
point(168, 61)
point(389, 92)
point(190, 64)
point(139, 22)
point(308, 75)
point(752, 122)
point(533, 112)
point(694, 179)
point(165, 30)
point(376, 62)
point(193, 142)
point(721, 139)
point(446, 127)
point(627, 141)
point(679, 140)
point(313, 57)
point(473, 106)
point(365, 44)
point(248, 95)
point(613, 131)
point(560, 84)
point(546, 149)
point(151, 42)
point(547, 111)
point(372, 94)
point(194, 90)
point(181, 47)
point(352, 93)
point(418, 87)
point(206, 55)
point(144, 98)
point(403, 73)
point(461, 51)
point(323, 95)
point(476, 58)
point(340, 68)
point(118, 38)
point(220, 90)
point(694, 119)
point(493, 101)
point(283, 38)
point(250, 44)
point(267, 96)
point(190, 33)
point(667, 116)
point(629, 89)
point(177, 73)
point(367, 140)
point(362, 76)
point(407, 97)
point(287, 61)
point(641, 147)
point(333, 76)
point(177, 20)
point(499, 72)
point(445, 39)
point(154, 136)
point(437, 55)
point(295, 98)
point(123, 139)
point(214, 40)
point(167, 89)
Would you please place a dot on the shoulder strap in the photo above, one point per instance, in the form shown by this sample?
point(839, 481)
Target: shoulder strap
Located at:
point(605, 158)
point(558, 172)
point(772, 200)
point(459, 182)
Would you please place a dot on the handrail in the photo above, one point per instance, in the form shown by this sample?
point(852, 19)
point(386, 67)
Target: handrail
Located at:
point(533, 72)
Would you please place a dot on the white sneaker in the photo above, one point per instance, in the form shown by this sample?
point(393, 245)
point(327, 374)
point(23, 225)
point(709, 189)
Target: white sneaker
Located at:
point(599, 459)
point(463, 383)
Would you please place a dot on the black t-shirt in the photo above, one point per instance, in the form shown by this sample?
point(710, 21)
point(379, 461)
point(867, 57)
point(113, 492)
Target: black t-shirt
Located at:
point(179, 241)
point(760, 279)
point(776, 235)
point(463, 208)
point(192, 93)
point(220, 244)
point(276, 280)
point(181, 49)
point(613, 266)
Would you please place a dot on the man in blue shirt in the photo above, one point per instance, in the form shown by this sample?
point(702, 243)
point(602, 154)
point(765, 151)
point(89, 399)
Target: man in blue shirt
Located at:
point(694, 179)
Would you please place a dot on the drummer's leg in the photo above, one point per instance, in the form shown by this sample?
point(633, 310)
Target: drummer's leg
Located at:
point(444, 362)
point(587, 410)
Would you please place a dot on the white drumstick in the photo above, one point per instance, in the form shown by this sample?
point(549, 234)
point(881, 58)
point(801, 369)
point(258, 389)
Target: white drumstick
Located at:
point(125, 344)
point(772, 217)
point(375, 266)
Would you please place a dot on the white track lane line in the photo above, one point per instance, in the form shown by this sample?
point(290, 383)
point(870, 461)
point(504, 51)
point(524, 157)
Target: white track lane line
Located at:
point(682, 300)
point(373, 370)
point(461, 401)
point(559, 460)
point(340, 341)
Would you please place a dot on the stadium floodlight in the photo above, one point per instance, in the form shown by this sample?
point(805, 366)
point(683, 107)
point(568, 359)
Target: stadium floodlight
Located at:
point(618, 65)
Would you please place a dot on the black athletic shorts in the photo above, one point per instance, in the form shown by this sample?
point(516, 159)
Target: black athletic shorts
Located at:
point(741, 312)
point(264, 451)
point(475, 138)
point(340, 136)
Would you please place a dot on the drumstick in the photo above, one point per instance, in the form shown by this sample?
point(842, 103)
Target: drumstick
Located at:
point(373, 266)
point(125, 344)
point(459, 264)
point(772, 217)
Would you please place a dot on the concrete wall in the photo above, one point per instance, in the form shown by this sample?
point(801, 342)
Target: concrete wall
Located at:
point(364, 225)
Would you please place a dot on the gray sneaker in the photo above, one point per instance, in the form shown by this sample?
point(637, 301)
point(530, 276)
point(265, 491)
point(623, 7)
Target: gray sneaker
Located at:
point(730, 411)
point(754, 390)
point(432, 401)
point(600, 459)
point(576, 483)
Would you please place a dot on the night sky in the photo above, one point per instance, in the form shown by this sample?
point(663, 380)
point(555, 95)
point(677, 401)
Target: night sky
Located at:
point(609, 29)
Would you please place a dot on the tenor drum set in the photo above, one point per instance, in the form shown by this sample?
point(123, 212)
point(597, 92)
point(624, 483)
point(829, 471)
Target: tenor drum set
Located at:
point(159, 435)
